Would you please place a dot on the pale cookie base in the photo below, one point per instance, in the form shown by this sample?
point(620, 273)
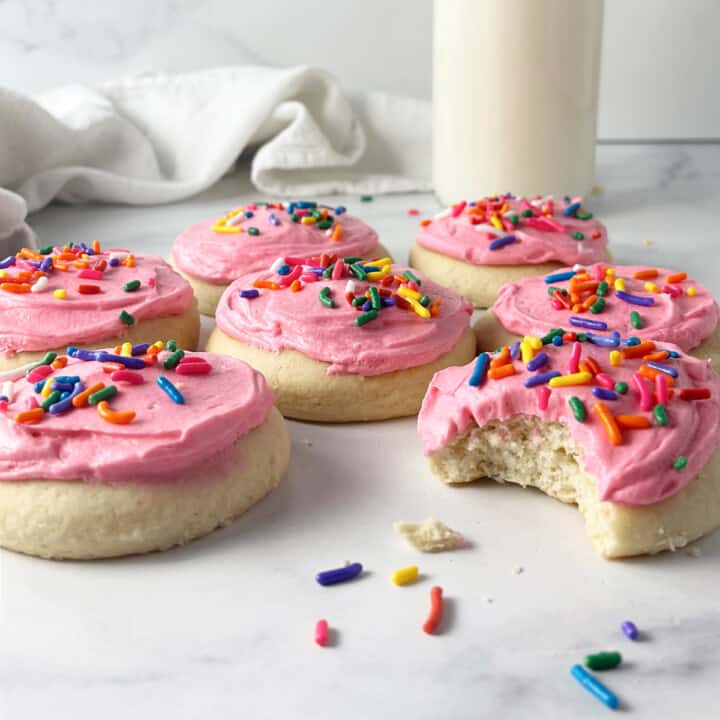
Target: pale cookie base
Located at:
point(184, 329)
point(305, 391)
point(478, 283)
point(529, 452)
point(83, 521)
point(491, 335)
point(208, 294)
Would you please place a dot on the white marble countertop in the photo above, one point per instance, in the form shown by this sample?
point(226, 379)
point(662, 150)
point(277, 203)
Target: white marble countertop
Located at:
point(224, 627)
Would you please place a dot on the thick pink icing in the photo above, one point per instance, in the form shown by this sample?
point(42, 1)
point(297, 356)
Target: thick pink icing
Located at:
point(220, 258)
point(165, 442)
point(396, 340)
point(454, 234)
point(525, 308)
point(637, 472)
point(39, 320)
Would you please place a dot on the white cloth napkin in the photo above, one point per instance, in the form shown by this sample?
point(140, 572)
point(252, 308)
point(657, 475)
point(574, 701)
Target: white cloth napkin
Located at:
point(159, 138)
point(14, 232)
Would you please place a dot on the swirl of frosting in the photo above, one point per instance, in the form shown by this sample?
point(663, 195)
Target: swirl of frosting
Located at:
point(508, 230)
point(249, 238)
point(396, 339)
point(525, 306)
point(650, 464)
point(163, 443)
point(68, 295)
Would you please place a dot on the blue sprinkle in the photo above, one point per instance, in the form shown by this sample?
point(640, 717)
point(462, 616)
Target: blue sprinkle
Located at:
point(480, 370)
point(502, 242)
point(170, 390)
point(331, 577)
point(541, 378)
point(69, 379)
point(540, 360)
point(635, 299)
point(340, 209)
point(65, 395)
point(674, 354)
point(306, 204)
point(249, 293)
point(667, 369)
point(140, 348)
point(557, 341)
point(515, 350)
point(558, 277)
point(632, 340)
point(570, 210)
point(587, 323)
point(594, 686)
point(566, 198)
point(291, 208)
point(284, 270)
point(602, 341)
point(604, 393)
point(39, 385)
point(370, 268)
point(249, 214)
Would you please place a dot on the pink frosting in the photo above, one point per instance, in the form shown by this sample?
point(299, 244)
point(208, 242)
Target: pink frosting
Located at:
point(39, 320)
point(164, 443)
point(454, 234)
point(396, 340)
point(639, 471)
point(525, 308)
point(219, 258)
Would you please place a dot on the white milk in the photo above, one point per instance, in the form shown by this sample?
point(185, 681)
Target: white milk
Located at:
point(515, 85)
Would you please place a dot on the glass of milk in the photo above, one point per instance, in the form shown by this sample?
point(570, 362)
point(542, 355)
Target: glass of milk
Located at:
point(515, 86)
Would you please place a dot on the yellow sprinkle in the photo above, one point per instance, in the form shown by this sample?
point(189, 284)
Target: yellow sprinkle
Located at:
point(159, 344)
point(408, 294)
point(652, 287)
point(534, 342)
point(423, 312)
point(578, 378)
point(615, 358)
point(610, 271)
point(691, 291)
point(376, 275)
point(227, 230)
point(126, 349)
point(60, 294)
point(405, 575)
point(382, 261)
point(307, 220)
point(47, 387)
point(495, 222)
point(620, 284)
point(526, 352)
point(3, 274)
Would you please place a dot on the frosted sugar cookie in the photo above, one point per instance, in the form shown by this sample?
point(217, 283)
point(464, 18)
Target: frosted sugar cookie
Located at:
point(474, 247)
point(633, 443)
point(85, 296)
point(121, 454)
point(212, 253)
point(341, 339)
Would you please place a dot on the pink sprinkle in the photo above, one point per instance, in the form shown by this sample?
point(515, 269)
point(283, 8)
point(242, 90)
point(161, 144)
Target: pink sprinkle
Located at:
point(557, 304)
point(661, 389)
point(604, 380)
point(302, 212)
point(574, 360)
point(644, 392)
point(321, 633)
point(525, 205)
point(297, 261)
point(294, 274)
point(24, 265)
point(413, 286)
point(90, 275)
point(337, 272)
point(543, 397)
point(31, 403)
point(194, 368)
point(413, 211)
point(457, 209)
point(151, 282)
point(598, 272)
point(3, 405)
point(39, 373)
point(189, 359)
point(128, 376)
point(673, 290)
point(309, 277)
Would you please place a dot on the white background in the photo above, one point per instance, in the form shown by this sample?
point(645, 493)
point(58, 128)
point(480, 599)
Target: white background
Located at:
point(659, 73)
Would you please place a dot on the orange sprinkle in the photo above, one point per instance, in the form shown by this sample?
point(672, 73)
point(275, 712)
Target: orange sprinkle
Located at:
point(636, 351)
point(632, 422)
point(502, 359)
point(583, 286)
point(586, 305)
point(652, 373)
point(296, 285)
point(592, 363)
point(111, 367)
point(59, 362)
point(648, 274)
point(81, 264)
point(657, 356)
point(425, 223)
point(503, 371)
point(30, 416)
point(23, 275)
point(609, 423)
point(676, 277)
point(578, 309)
point(266, 284)
point(82, 399)
point(59, 266)
point(435, 307)
point(96, 246)
point(14, 287)
point(114, 416)
point(129, 261)
point(337, 232)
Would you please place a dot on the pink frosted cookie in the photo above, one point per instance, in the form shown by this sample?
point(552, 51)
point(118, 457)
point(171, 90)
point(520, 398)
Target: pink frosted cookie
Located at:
point(213, 253)
point(475, 247)
point(342, 341)
point(632, 439)
point(655, 303)
point(89, 297)
point(119, 454)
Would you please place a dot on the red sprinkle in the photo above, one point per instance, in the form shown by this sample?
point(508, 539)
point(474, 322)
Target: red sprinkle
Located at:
point(436, 610)
point(39, 373)
point(127, 376)
point(695, 393)
point(89, 289)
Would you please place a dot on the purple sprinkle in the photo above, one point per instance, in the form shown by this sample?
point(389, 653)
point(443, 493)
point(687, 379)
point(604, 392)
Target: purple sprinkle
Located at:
point(46, 265)
point(604, 393)
point(587, 323)
point(366, 306)
point(273, 219)
point(630, 630)
point(249, 293)
point(540, 360)
point(388, 302)
point(114, 262)
point(65, 404)
point(132, 363)
point(502, 242)
point(7, 262)
point(667, 369)
point(4, 398)
point(541, 378)
point(515, 350)
point(140, 348)
point(635, 299)
point(601, 341)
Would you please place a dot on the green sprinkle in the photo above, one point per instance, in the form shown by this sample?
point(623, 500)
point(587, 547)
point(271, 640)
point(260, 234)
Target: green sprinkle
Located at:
point(582, 337)
point(358, 272)
point(351, 260)
point(253, 230)
point(680, 462)
point(316, 214)
point(526, 213)
point(131, 286)
point(598, 306)
point(366, 198)
point(47, 358)
point(366, 317)
point(104, 394)
point(547, 339)
point(358, 301)
point(375, 298)
point(584, 215)
point(325, 298)
point(578, 235)
point(46, 250)
point(173, 360)
point(578, 408)
point(660, 414)
point(126, 317)
point(412, 277)
point(636, 320)
point(324, 224)
point(552, 290)
point(327, 272)
point(603, 288)
point(514, 219)
point(295, 217)
point(51, 399)
point(171, 345)
point(603, 660)
point(621, 387)
point(425, 300)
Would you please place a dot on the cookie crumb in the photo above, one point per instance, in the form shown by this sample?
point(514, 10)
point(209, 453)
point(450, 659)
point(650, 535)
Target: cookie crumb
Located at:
point(647, 243)
point(430, 536)
point(693, 551)
point(518, 570)
point(597, 189)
